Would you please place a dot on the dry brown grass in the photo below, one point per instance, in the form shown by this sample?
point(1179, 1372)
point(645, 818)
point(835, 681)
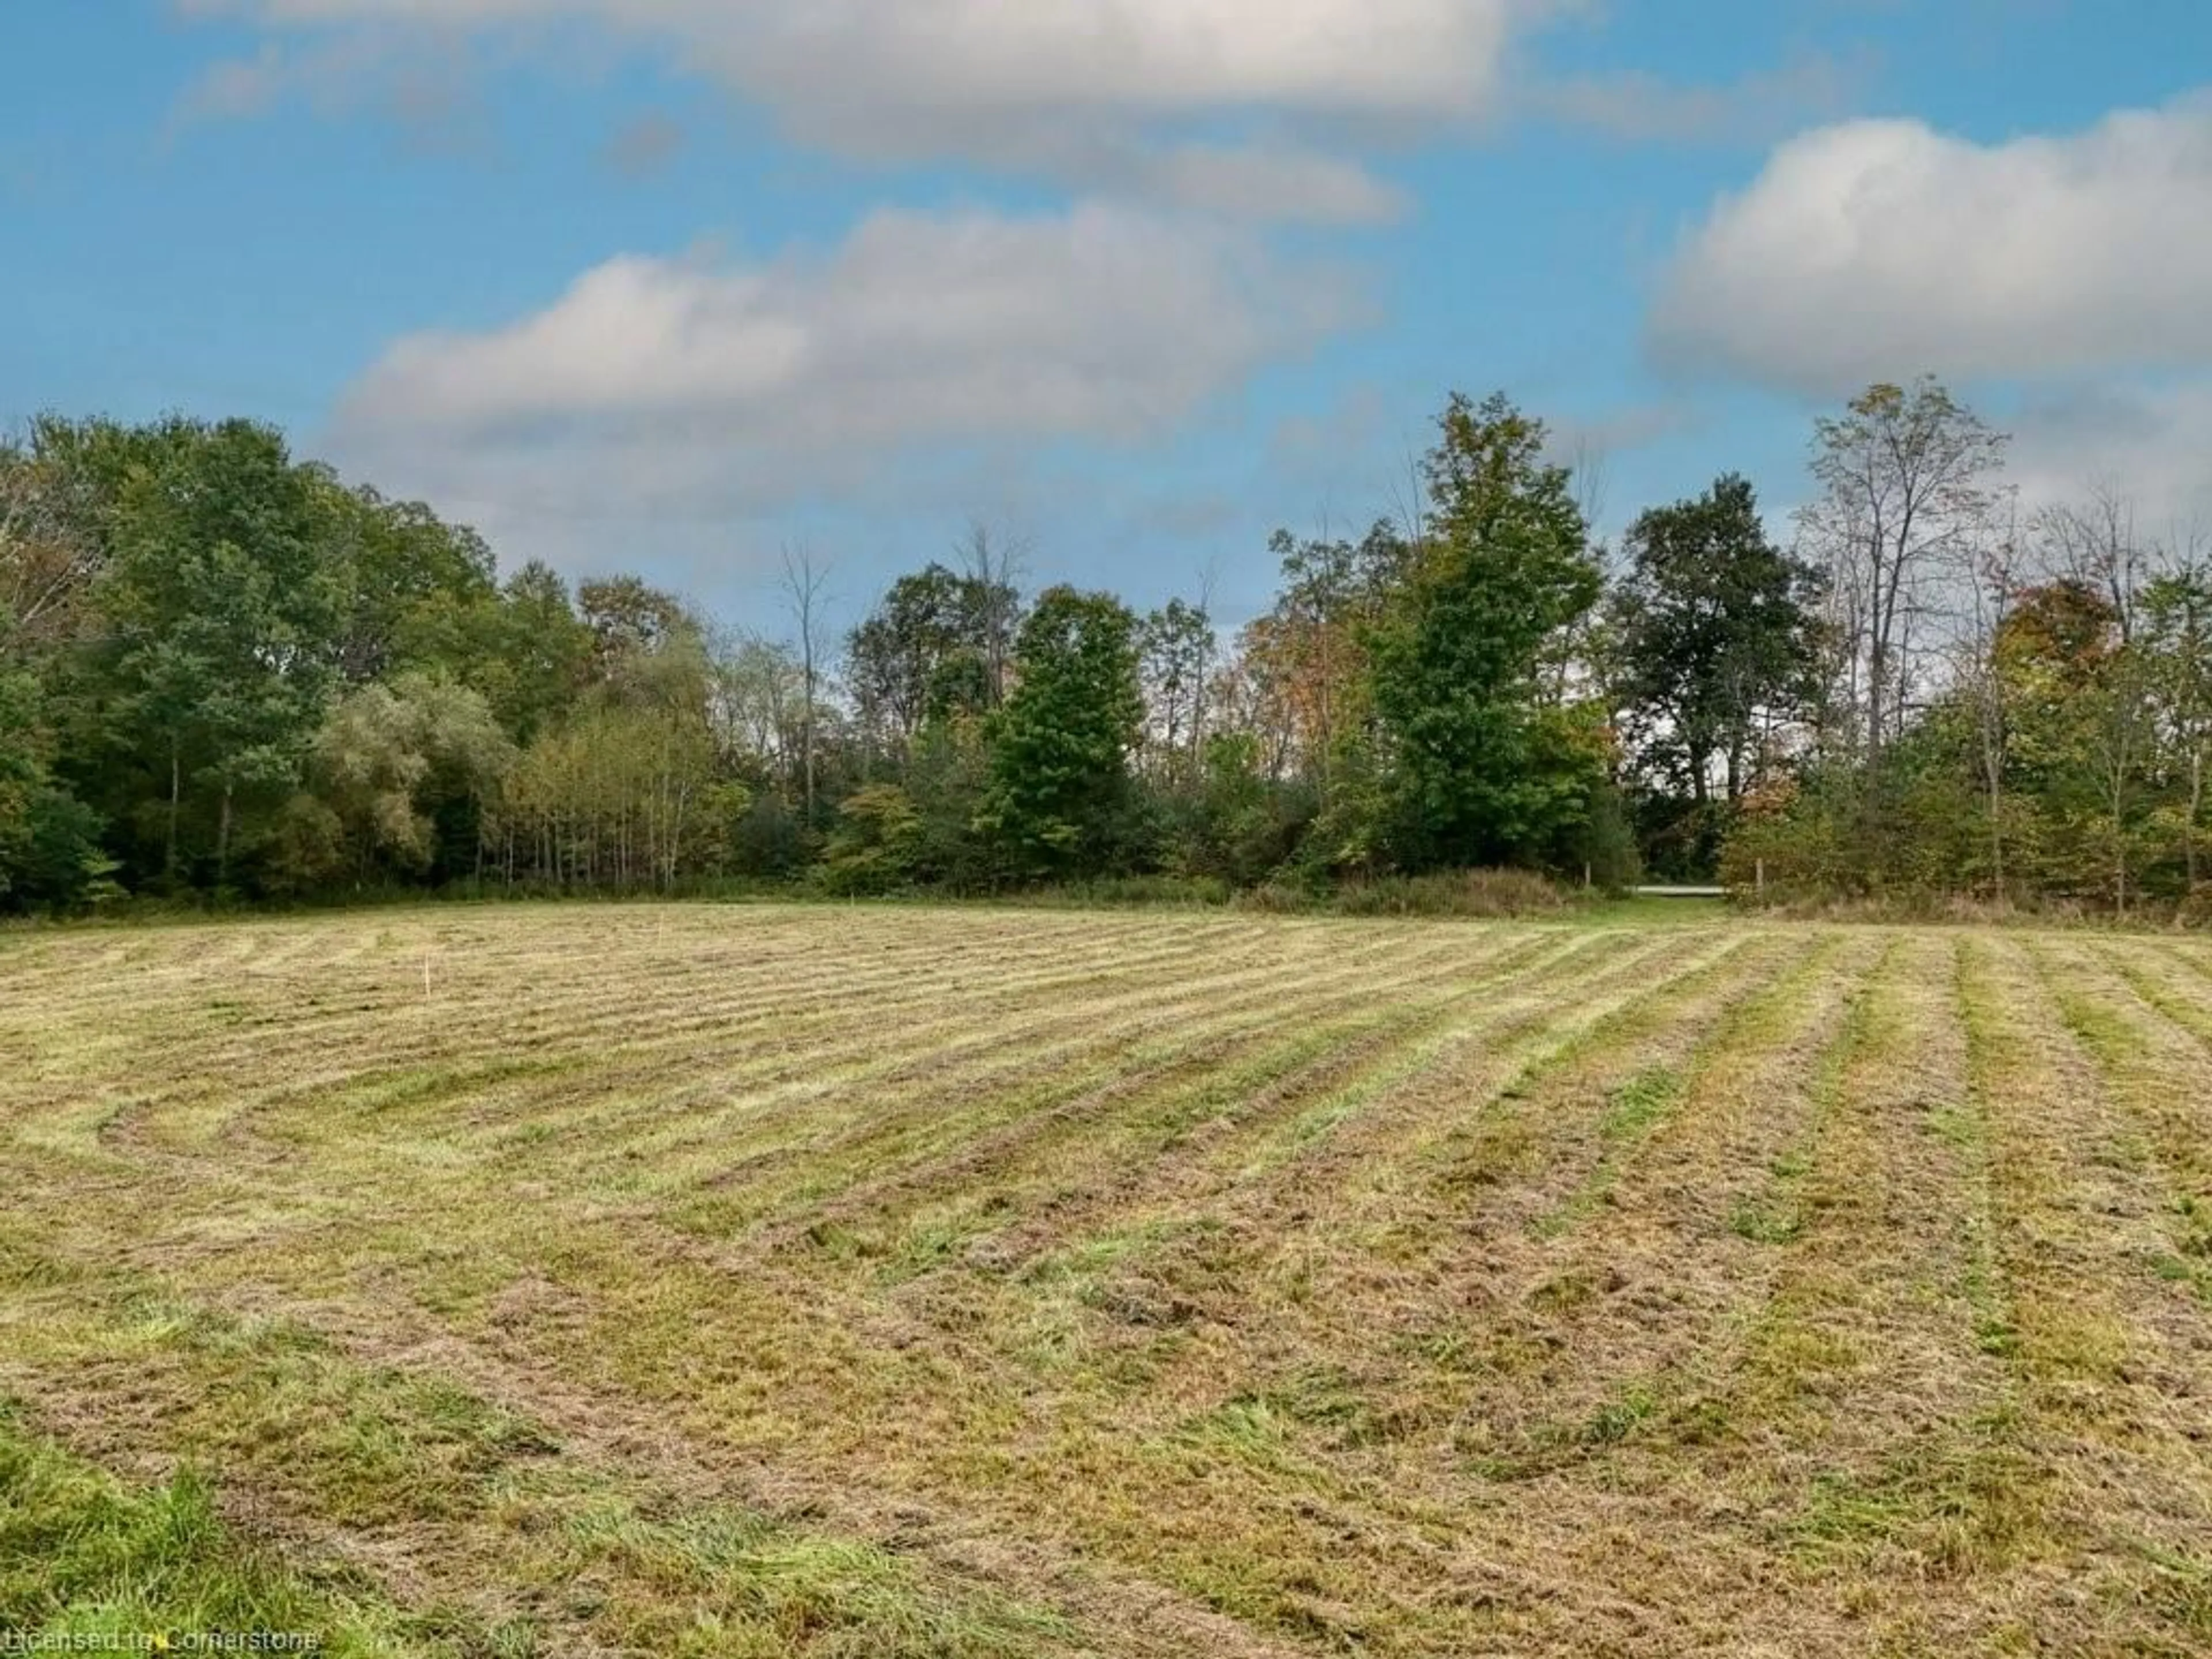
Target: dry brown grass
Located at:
point(961, 1283)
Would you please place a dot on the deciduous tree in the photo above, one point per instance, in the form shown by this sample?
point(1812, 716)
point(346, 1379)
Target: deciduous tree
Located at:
point(1905, 474)
point(1478, 767)
point(1061, 746)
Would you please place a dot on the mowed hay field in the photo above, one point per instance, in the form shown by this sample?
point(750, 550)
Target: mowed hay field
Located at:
point(814, 1281)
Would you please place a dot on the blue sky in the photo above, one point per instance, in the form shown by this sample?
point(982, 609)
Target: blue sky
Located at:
point(670, 284)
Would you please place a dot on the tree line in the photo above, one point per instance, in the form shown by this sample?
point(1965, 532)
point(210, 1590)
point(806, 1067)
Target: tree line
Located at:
point(227, 671)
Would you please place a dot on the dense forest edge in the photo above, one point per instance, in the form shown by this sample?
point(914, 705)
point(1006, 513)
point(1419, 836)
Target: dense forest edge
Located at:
point(229, 677)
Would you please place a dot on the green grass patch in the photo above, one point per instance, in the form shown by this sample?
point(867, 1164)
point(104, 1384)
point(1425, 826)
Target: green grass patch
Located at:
point(1634, 1110)
point(83, 1554)
point(1960, 1501)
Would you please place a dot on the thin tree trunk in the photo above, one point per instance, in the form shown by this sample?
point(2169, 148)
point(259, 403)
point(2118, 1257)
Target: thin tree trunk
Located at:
point(176, 804)
point(1996, 837)
point(2120, 851)
point(2196, 808)
point(222, 836)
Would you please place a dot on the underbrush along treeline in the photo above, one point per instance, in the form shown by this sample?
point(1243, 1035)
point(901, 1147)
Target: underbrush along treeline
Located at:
point(224, 671)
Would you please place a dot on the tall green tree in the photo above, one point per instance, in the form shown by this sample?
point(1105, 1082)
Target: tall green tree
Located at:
point(221, 616)
point(2177, 650)
point(1481, 765)
point(927, 649)
point(1715, 644)
point(2074, 725)
point(397, 566)
point(520, 645)
point(1717, 636)
point(1059, 791)
point(49, 840)
point(1175, 648)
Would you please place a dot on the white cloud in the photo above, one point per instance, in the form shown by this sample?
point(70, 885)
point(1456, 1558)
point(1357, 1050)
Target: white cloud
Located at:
point(856, 62)
point(668, 386)
point(1253, 109)
point(1192, 102)
point(1880, 249)
point(2150, 444)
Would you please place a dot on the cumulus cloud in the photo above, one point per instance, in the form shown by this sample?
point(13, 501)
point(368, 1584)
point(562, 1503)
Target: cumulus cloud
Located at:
point(1124, 96)
point(668, 382)
point(1251, 107)
point(1880, 249)
point(851, 64)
